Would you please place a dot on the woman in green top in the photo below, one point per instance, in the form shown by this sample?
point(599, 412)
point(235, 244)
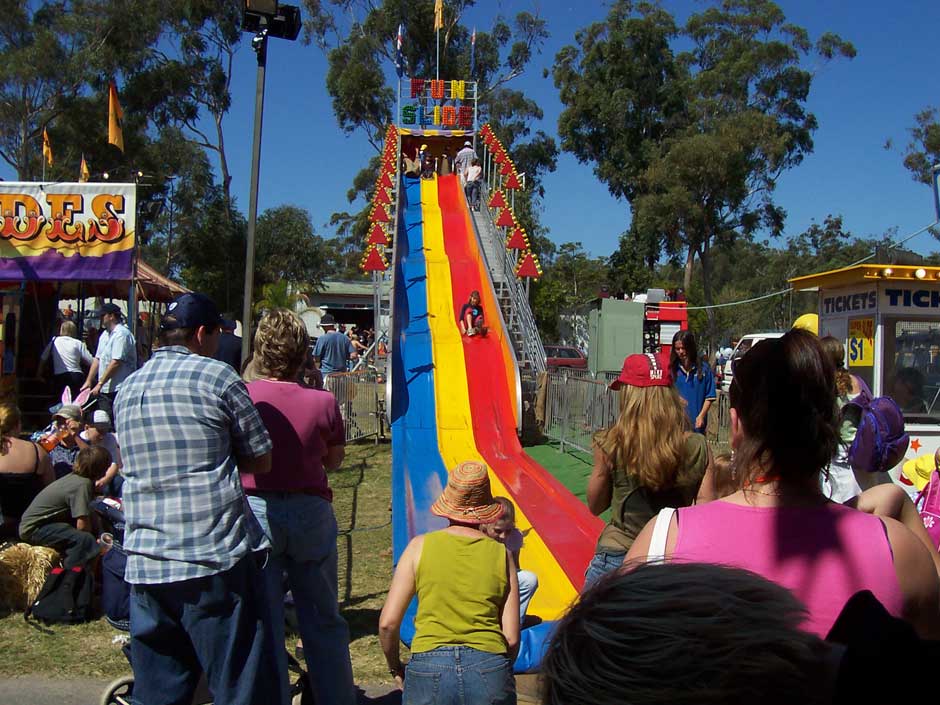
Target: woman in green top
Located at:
point(467, 623)
point(647, 460)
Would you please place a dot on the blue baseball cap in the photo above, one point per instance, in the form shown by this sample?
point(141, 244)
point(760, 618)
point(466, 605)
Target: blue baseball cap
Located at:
point(191, 311)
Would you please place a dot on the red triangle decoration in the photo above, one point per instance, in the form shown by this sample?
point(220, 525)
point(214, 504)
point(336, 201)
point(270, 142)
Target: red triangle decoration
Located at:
point(528, 267)
point(385, 180)
point(379, 215)
point(497, 200)
point(374, 262)
point(377, 235)
point(506, 169)
point(381, 196)
point(505, 219)
point(512, 182)
point(517, 240)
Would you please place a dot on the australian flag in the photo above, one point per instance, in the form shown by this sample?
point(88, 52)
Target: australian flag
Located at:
point(399, 55)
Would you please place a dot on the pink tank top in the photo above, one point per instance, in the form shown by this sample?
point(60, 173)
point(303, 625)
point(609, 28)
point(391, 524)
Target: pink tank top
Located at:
point(824, 554)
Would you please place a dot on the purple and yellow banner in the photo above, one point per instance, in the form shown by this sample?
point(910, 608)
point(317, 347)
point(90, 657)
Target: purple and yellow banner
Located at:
point(57, 232)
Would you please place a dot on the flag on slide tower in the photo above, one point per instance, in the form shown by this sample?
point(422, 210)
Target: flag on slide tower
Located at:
point(438, 14)
point(399, 54)
point(473, 50)
point(115, 118)
point(46, 147)
point(83, 172)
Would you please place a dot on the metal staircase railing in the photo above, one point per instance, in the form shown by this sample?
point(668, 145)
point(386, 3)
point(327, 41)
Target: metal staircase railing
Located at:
point(510, 292)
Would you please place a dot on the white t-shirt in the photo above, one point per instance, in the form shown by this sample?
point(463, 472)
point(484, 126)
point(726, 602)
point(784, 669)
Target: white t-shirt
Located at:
point(67, 354)
point(110, 443)
point(473, 172)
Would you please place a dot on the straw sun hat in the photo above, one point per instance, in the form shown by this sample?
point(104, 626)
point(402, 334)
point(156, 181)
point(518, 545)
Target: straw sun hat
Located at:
point(467, 497)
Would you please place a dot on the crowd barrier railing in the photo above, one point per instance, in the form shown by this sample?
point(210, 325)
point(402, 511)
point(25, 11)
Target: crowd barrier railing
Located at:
point(360, 394)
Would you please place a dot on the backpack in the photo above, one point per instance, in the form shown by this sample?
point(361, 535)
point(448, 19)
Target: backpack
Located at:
point(880, 441)
point(65, 597)
point(928, 504)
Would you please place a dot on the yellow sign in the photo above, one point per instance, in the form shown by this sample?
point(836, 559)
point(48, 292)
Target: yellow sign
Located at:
point(861, 342)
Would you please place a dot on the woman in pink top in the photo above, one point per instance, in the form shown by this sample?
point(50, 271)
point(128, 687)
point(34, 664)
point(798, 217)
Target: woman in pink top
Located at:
point(293, 502)
point(784, 431)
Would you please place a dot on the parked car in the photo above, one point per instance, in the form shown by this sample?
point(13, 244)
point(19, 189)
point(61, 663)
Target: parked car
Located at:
point(745, 344)
point(564, 356)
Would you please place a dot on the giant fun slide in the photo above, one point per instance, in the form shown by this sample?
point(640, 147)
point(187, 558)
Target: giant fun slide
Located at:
point(456, 398)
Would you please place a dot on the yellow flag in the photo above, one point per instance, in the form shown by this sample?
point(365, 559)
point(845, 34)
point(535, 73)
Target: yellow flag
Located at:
point(438, 14)
point(115, 119)
point(83, 173)
point(46, 146)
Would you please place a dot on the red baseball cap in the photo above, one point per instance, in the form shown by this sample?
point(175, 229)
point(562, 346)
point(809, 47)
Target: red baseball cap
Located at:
point(647, 370)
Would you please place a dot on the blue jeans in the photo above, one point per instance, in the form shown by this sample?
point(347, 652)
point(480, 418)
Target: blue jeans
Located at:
point(217, 624)
point(302, 531)
point(602, 563)
point(459, 675)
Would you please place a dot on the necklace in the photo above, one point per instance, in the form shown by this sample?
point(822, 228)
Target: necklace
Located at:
point(769, 493)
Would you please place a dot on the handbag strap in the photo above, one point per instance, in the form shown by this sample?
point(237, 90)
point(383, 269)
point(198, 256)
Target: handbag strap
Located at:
point(657, 549)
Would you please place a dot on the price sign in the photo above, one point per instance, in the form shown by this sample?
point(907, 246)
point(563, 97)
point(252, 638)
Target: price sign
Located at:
point(861, 342)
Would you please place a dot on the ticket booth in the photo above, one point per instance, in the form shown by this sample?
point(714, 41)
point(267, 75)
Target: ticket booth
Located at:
point(888, 317)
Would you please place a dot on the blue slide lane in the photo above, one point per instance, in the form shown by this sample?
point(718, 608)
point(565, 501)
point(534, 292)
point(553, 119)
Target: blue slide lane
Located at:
point(418, 472)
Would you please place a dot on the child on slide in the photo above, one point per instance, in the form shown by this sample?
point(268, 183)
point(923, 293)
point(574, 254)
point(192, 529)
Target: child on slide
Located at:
point(471, 316)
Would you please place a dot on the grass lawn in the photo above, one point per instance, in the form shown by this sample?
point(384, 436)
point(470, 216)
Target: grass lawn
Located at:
point(362, 503)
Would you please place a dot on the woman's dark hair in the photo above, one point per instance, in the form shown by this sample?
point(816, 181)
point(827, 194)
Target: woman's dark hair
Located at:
point(784, 393)
point(684, 634)
point(835, 350)
point(691, 349)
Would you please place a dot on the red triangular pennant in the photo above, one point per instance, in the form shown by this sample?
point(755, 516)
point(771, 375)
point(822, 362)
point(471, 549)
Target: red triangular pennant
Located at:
point(527, 267)
point(512, 183)
point(381, 196)
point(506, 169)
point(374, 262)
point(497, 200)
point(385, 180)
point(377, 235)
point(517, 240)
point(379, 215)
point(505, 219)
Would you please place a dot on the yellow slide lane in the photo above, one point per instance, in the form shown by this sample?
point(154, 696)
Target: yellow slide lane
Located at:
point(454, 419)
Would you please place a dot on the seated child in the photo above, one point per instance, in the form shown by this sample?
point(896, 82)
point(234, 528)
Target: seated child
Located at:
point(471, 316)
point(48, 520)
point(504, 530)
point(98, 433)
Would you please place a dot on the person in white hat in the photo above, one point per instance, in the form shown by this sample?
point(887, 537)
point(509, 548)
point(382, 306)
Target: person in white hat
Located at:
point(98, 433)
point(462, 162)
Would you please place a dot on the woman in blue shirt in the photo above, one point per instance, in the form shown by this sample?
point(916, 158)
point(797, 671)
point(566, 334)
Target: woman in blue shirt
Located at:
point(693, 379)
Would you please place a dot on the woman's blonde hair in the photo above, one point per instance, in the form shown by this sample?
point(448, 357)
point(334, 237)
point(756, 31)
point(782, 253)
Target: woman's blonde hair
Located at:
point(281, 344)
point(648, 439)
point(9, 421)
point(69, 329)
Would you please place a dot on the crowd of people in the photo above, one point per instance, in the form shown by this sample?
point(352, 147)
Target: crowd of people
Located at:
point(762, 573)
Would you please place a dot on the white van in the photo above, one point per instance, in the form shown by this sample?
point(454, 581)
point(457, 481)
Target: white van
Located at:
point(745, 344)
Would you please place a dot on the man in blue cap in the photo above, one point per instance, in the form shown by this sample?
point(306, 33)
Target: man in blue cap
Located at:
point(188, 429)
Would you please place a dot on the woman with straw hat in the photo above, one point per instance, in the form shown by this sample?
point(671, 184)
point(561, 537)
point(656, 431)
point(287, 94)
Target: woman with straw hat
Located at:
point(467, 622)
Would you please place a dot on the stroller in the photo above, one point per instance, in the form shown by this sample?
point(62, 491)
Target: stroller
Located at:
point(115, 601)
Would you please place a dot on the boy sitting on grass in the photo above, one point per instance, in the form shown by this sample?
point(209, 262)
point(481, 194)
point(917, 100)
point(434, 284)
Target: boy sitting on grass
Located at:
point(504, 530)
point(48, 520)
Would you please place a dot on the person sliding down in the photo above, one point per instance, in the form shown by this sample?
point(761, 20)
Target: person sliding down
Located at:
point(471, 316)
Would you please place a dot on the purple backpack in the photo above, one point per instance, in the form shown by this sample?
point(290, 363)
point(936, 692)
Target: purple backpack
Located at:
point(928, 504)
point(880, 441)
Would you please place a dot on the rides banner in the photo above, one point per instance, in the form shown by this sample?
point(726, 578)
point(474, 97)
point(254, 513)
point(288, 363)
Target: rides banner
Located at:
point(56, 232)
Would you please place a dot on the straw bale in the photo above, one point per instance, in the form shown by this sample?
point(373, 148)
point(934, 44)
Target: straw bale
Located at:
point(23, 570)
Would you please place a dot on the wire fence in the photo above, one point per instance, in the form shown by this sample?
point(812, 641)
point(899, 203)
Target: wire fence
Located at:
point(572, 405)
point(361, 397)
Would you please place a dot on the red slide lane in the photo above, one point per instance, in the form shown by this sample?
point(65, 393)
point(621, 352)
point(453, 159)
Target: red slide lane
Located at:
point(564, 523)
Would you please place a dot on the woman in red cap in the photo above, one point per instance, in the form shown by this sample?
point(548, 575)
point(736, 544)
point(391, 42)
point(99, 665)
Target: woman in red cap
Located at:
point(467, 621)
point(649, 459)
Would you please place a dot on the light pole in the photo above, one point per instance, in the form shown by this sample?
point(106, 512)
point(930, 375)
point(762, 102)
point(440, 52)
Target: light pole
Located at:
point(263, 18)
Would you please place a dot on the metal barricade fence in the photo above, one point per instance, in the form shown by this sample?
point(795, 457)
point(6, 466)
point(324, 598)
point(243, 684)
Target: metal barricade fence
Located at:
point(361, 401)
point(577, 404)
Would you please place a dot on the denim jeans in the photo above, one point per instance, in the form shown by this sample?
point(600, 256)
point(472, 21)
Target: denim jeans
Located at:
point(602, 563)
point(218, 625)
point(302, 531)
point(528, 584)
point(79, 547)
point(459, 675)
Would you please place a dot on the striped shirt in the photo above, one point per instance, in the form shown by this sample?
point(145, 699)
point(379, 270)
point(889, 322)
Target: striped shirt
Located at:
point(181, 420)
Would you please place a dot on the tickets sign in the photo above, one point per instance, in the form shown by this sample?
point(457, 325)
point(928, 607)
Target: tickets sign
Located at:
point(861, 342)
point(55, 232)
